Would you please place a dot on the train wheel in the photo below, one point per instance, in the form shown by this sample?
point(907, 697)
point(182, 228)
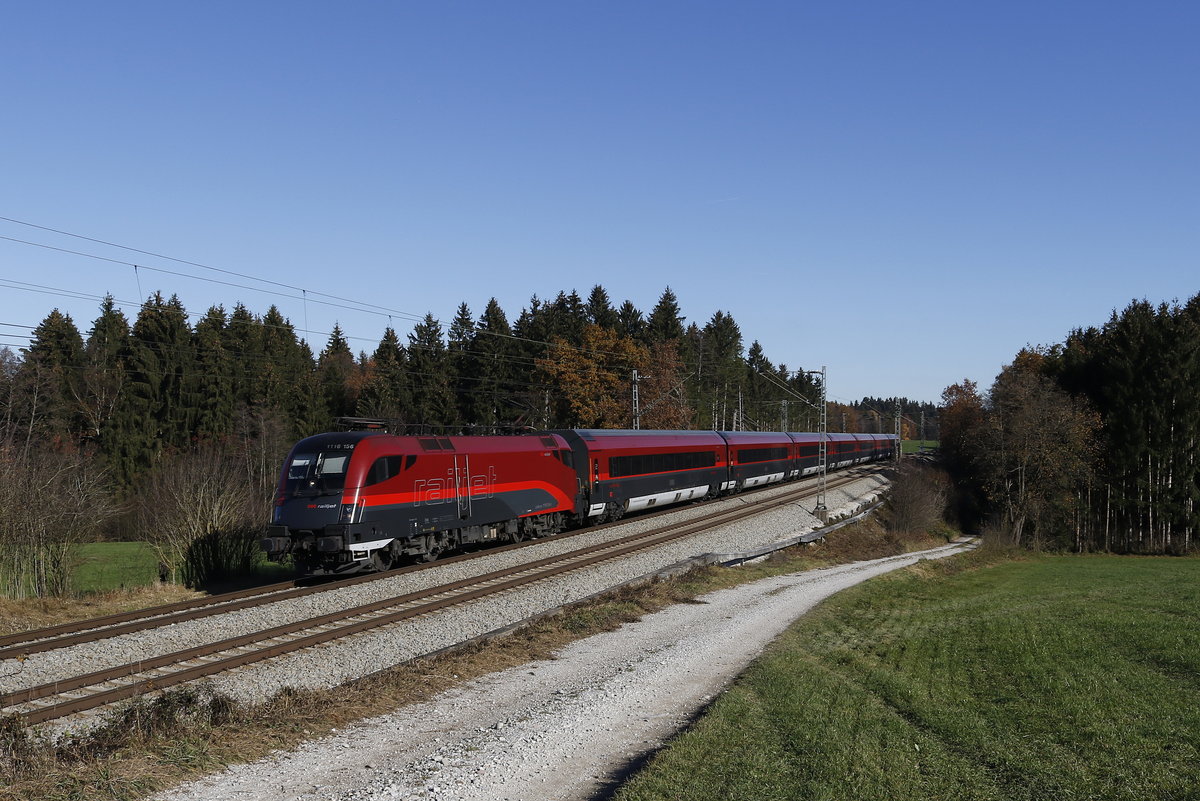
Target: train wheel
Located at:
point(432, 546)
point(382, 560)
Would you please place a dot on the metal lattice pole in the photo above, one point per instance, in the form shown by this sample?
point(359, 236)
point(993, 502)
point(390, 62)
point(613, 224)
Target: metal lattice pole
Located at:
point(821, 511)
point(637, 411)
point(898, 447)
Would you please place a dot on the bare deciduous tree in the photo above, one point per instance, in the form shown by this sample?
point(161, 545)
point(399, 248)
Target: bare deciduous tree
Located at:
point(1039, 450)
point(50, 502)
point(200, 514)
point(917, 501)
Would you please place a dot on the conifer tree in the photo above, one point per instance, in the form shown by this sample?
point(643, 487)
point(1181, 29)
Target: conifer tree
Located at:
point(459, 362)
point(156, 410)
point(723, 371)
point(533, 333)
point(49, 380)
point(248, 366)
point(599, 309)
point(630, 322)
point(566, 319)
point(385, 391)
point(761, 396)
point(336, 372)
point(433, 403)
point(103, 378)
point(284, 372)
point(311, 415)
point(666, 322)
point(493, 368)
point(213, 377)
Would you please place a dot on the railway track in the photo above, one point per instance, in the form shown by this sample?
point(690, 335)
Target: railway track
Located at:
point(95, 689)
point(21, 644)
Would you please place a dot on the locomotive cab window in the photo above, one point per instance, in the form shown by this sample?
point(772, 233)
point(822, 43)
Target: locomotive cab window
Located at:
point(317, 473)
point(300, 466)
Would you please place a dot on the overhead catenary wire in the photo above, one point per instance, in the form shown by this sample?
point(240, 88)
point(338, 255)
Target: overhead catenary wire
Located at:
point(357, 306)
point(200, 265)
point(514, 359)
point(304, 295)
point(57, 291)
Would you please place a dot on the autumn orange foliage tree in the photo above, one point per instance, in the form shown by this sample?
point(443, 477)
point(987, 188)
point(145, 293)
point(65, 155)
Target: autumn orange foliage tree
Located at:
point(663, 401)
point(594, 380)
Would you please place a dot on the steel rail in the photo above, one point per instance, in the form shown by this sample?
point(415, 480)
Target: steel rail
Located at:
point(22, 644)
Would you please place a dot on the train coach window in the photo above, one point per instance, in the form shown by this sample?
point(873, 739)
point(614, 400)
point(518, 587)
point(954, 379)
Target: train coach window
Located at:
point(745, 455)
point(620, 466)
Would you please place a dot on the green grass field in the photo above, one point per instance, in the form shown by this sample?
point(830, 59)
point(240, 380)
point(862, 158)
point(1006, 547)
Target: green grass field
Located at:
point(1053, 678)
point(105, 566)
point(914, 445)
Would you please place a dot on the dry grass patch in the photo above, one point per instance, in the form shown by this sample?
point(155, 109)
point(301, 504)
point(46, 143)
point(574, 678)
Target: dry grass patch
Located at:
point(36, 613)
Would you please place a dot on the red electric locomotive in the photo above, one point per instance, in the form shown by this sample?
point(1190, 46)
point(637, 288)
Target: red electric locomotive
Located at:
point(363, 499)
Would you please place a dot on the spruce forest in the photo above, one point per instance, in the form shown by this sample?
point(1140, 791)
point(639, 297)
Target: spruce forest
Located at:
point(171, 430)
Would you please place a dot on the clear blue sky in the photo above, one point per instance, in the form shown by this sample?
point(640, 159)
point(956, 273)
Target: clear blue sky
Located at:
point(905, 192)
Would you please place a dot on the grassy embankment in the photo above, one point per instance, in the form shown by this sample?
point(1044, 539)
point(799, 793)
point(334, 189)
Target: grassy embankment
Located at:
point(1049, 678)
point(908, 446)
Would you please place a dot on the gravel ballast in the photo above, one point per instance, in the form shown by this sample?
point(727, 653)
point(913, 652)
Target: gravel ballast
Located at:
point(374, 650)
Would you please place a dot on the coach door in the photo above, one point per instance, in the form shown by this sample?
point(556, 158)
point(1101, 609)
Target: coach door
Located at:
point(462, 485)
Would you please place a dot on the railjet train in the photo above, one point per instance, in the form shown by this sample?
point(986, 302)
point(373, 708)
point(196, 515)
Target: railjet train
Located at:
point(368, 500)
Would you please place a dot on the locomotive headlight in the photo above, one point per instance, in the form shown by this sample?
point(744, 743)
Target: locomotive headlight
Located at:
point(352, 512)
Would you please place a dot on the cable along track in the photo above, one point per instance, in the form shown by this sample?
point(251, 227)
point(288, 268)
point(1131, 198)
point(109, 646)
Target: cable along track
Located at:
point(69, 696)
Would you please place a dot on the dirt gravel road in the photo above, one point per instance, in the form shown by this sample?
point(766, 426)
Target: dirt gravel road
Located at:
point(568, 728)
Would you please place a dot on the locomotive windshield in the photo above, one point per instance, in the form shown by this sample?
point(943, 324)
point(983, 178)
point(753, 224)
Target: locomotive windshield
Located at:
point(321, 473)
